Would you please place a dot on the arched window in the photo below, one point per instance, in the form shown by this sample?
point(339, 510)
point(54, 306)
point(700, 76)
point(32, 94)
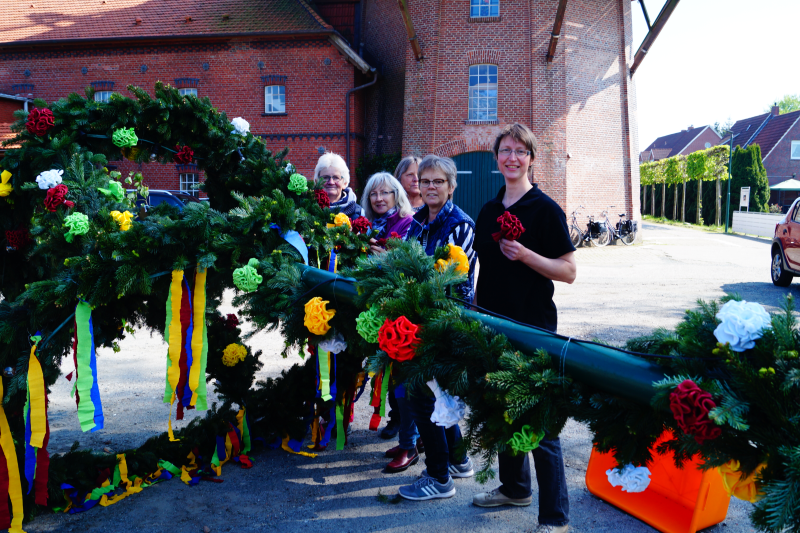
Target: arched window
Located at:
point(483, 92)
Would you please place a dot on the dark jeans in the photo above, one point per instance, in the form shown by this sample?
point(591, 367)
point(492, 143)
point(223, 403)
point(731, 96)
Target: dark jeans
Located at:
point(441, 445)
point(394, 410)
point(515, 476)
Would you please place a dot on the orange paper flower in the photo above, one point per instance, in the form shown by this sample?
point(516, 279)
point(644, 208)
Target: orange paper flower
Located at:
point(318, 316)
point(457, 256)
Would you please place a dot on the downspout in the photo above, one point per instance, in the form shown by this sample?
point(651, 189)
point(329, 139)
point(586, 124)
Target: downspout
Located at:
point(347, 115)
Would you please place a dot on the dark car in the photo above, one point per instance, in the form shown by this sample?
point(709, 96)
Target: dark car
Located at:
point(174, 198)
point(786, 247)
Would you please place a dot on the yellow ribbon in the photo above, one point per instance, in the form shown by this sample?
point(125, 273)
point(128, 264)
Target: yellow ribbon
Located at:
point(285, 447)
point(36, 391)
point(5, 186)
point(14, 484)
point(174, 352)
point(199, 312)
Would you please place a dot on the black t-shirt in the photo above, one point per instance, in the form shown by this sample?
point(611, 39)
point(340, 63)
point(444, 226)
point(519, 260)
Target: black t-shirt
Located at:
point(512, 288)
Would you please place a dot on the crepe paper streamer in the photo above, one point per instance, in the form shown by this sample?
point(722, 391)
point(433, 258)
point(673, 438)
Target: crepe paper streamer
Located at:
point(78, 224)
point(90, 409)
point(10, 483)
point(114, 191)
point(333, 262)
point(5, 187)
point(49, 178)
point(233, 353)
point(285, 447)
point(447, 410)
point(336, 344)
point(361, 385)
point(197, 371)
point(295, 239)
point(340, 432)
point(630, 478)
point(739, 486)
point(37, 430)
point(317, 316)
point(385, 390)
point(375, 401)
point(525, 440)
point(323, 365)
point(369, 323)
point(246, 278)
point(124, 137)
point(172, 335)
point(123, 219)
point(298, 183)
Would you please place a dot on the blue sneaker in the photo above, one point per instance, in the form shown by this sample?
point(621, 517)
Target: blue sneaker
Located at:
point(461, 471)
point(428, 488)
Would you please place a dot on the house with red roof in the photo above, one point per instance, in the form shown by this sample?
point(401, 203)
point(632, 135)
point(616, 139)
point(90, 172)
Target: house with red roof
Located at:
point(684, 142)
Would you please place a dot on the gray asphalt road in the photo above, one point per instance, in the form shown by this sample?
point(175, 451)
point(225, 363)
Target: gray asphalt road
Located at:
point(620, 292)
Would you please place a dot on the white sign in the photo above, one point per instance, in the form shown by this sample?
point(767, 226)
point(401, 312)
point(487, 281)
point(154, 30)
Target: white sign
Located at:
point(744, 198)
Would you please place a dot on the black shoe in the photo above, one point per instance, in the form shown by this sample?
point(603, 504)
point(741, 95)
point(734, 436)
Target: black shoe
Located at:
point(391, 429)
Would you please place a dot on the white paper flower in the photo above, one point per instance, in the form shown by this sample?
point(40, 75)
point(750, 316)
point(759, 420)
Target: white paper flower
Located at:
point(336, 344)
point(289, 168)
point(630, 478)
point(49, 178)
point(448, 410)
point(742, 323)
point(240, 125)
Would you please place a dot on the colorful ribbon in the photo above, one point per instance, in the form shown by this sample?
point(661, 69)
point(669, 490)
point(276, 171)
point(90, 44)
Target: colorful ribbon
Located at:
point(295, 239)
point(380, 386)
point(197, 373)
point(37, 431)
point(10, 484)
point(333, 262)
point(90, 409)
point(340, 432)
point(324, 371)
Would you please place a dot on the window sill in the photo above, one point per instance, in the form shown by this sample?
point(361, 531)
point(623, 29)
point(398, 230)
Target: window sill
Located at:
point(480, 122)
point(274, 114)
point(483, 19)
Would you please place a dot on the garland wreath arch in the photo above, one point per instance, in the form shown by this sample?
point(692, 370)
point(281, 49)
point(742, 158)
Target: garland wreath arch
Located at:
point(70, 245)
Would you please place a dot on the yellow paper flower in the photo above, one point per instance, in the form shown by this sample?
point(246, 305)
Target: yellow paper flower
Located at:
point(123, 218)
point(341, 219)
point(318, 316)
point(233, 353)
point(456, 255)
point(746, 489)
point(5, 186)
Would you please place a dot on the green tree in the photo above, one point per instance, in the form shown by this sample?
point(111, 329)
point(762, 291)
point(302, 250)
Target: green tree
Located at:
point(747, 170)
point(723, 128)
point(787, 104)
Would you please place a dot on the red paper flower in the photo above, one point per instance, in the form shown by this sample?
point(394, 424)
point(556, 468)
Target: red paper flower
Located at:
point(56, 196)
point(322, 198)
point(690, 406)
point(39, 121)
point(16, 239)
point(184, 155)
point(361, 225)
point(510, 228)
point(230, 321)
point(398, 338)
point(383, 242)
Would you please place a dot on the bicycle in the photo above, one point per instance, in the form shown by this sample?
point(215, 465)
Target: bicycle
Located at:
point(593, 230)
point(625, 230)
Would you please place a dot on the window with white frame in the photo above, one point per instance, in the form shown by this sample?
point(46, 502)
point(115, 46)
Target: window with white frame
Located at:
point(483, 92)
point(795, 149)
point(274, 99)
point(188, 91)
point(484, 8)
point(189, 182)
point(102, 96)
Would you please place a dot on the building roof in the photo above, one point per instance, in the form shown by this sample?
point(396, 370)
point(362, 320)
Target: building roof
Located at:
point(674, 143)
point(42, 21)
point(764, 130)
point(788, 185)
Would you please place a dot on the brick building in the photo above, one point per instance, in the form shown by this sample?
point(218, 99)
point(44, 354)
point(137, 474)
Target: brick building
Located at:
point(684, 142)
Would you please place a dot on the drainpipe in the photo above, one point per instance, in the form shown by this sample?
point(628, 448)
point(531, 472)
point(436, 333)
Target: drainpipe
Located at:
point(347, 115)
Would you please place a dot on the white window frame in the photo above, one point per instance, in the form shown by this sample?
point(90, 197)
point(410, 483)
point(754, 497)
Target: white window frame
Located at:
point(477, 8)
point(103, 96)
point(795, 150)
point(274, 99)
point(188, 181)
point(482, 92)
point(188, 91)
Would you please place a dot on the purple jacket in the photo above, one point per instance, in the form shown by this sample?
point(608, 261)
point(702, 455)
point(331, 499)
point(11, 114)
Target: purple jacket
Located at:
point(397, 224)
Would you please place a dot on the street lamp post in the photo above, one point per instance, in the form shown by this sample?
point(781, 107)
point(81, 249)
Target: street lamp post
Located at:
point(730, 177)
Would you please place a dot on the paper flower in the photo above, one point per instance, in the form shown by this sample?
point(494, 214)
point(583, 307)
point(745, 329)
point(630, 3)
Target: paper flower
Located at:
point(457, 256)
point(341, 220)
point(233, 353)
point(361, 225)
point(525, 440)
point(747, 488)
point(124, 137)
point(334, 345)
point(56, 196)
point(123, 219)
point(447, 410)
point(510, 228)
point(298, 183)
point(39, 121)
point(398, 339)
point(369, 323)
point(690, 406)
point(184, 155)
point(115, 191)
point(318, 316)
point(384, 243)
point(630, 478)
point(5, 186)
point(17, 239)
point(742, 323)
point(247, 278)
point(323, 200)
point(49, 178)
point(78, 224)
point(289, 168)
point(230, 321)
point(240, 126)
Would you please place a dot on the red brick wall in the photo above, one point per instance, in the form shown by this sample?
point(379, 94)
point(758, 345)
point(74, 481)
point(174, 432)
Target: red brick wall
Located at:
point(315, 91)
point(779, 163)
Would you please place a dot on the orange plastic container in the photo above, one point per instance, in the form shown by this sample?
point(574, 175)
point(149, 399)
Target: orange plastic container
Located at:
point(676, 501)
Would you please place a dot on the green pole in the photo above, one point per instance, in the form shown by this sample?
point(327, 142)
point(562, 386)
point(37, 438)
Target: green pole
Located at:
point(730, 177)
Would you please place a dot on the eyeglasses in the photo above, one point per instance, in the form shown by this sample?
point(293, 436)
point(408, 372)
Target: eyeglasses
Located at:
point(432, 183)
point(506, 152)
point(334, 179)
point(383, 194)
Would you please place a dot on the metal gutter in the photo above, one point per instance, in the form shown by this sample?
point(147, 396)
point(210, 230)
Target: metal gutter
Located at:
point(412, 35)
point(556, 33)
point(650, 38)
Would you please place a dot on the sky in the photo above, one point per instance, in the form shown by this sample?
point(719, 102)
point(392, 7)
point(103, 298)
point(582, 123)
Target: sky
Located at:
point(713, 60)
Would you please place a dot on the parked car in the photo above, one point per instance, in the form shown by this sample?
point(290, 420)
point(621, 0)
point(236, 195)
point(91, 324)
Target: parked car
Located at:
point(785, 263)
point(174, 198)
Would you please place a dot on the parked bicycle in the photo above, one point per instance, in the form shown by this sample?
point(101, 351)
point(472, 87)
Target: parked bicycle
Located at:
point(625, 230)
point(593, 232)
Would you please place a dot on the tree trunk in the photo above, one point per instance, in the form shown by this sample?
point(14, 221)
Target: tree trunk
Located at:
point(683, 203)
point(643, 206)
point(653, 200)
point(719, 202)
point(675, 204)
point(663, 199)
point(699, 218)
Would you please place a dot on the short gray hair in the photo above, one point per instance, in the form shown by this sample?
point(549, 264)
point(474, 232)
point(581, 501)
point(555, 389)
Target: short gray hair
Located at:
point(384, 178)
point(333, 160)
point(406, 162)
point(445, 165)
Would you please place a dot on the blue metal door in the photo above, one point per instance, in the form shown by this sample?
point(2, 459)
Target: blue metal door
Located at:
point(478, 181)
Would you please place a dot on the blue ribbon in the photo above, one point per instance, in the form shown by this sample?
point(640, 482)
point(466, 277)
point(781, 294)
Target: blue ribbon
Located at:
point(221, 455)
point(186, 393)
point(30, 451)
point(400, 391)
point(331, 423)
point(332, 262)
point(95, 394)
point(295, 239)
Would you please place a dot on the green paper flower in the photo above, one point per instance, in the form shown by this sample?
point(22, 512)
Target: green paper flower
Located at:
point(525, 440)
point(78, 224)
point(247, 278)
point(124, 137)
point(114, 191)
point(298, 183)
point(368, 323)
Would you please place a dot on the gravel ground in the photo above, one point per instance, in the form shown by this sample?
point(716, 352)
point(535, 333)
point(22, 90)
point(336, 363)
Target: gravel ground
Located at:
point(620, 292)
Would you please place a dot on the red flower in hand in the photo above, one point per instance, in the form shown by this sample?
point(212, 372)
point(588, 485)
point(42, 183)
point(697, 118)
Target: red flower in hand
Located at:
point(398, 338)
point(39, 121)
point(184, 155)
point(56, 196)
point(322, 198)
point(510, 228)
point(361, 224)
point(690, 406)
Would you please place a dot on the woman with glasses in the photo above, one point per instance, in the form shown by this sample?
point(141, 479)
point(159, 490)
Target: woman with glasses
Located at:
point(386, 205)
point(516, 281)
point(439, 223)
point(334, 176)
point(406, 174)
